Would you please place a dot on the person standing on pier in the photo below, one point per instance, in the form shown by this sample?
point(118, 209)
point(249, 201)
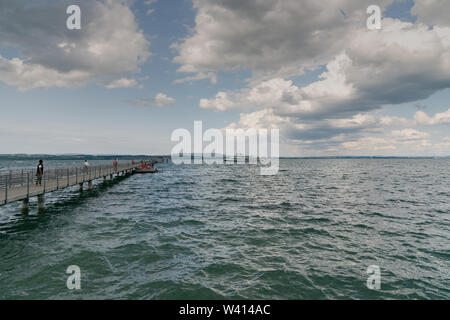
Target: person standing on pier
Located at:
point(39, 172)
point(86, 166)
point(115, 162)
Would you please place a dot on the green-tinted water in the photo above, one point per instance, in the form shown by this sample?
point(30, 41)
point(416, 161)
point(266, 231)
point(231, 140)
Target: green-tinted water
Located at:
point(206, 232)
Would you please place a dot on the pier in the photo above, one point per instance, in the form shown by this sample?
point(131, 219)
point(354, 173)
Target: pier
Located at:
point(21, 185)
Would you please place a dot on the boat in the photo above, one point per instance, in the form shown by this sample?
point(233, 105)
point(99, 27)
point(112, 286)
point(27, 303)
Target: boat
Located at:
point(146, 170)
point(237, 159)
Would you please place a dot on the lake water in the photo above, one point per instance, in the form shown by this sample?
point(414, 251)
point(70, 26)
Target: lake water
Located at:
point(224, 231)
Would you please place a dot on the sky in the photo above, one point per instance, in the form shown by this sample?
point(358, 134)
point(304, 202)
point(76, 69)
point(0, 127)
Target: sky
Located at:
point(138, 70)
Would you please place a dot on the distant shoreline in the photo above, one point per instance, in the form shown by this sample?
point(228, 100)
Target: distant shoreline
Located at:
point(369, 157)
point(126, 157)
point(73, 157)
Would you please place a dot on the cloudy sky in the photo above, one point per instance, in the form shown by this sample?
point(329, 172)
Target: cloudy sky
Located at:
point(139, 69)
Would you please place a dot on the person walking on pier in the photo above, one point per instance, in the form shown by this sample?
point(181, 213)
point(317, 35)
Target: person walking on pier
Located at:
point(115, 162)
point(39, 172)
point(86, 166)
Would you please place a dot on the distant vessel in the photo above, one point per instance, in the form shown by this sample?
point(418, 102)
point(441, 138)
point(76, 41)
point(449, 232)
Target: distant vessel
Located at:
point(237, 159)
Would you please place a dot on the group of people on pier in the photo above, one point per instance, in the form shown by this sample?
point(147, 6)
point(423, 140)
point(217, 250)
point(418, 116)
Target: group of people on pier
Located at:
point(86, 165)
point(147, 165)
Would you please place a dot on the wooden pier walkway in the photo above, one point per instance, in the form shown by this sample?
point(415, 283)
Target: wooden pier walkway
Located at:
point(21, 185)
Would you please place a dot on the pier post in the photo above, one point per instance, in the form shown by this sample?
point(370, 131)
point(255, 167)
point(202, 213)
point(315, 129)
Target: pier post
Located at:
point(41, 202)
point(81, 187)
point(25, 203)
point(28, 185)
point(6, 189)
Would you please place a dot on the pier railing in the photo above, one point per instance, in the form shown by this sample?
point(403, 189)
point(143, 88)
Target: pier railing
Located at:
point(20, 178)
point(17, 184)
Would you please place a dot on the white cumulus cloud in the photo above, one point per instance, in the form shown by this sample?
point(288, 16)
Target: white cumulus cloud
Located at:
point(159, 101)
point(109, 46)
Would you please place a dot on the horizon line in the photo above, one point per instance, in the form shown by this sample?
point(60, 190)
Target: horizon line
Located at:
point(18, 155)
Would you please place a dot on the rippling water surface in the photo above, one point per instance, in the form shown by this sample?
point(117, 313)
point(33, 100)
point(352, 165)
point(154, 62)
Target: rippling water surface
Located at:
point(208, 232)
